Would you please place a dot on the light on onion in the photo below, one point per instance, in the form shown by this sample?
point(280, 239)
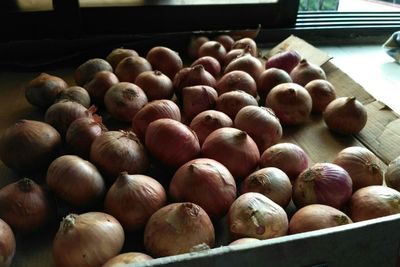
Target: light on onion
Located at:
point(7, 244)
point(392, 175)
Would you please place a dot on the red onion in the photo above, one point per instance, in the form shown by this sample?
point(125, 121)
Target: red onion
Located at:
point(194, 45)
point(117, 151)
point(288, 157)
point(132, 199)
point(127, 258)
point(118, 54)
point(255, 215)
point(210, 64)
point(165, 60)
point(246, 63)
point(226, 40)
point(86, 71)
point(272, 183)
point(231, 102)
point(316, 216)
point(372, 202)
point(205, 182)
point(7, 244)
point(41, 140)
point(284, 60)
point(246, 43)
point(75, 94)
point(154, 110)
point(322, 183)
point(195, 75)
point(322, 93)
point(98, 86)
point(208, 121)
point(291, 103)
point(130, 67)
point(261, 124)
point(186, 224)
point(155, 85)
point(270, 78)
point(392, 175)
point(123, 100)
point(232, 54)
point(233, 148)
point(305, 71)
point(345, 115)
point(213, 49)
point(196, 99)
point(75, 180)
point(171, 142)
point(362, 165)
point(237, 80)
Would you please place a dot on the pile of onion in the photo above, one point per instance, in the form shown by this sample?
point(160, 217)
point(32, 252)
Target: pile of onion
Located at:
point(165, 60)
point(231, 102)
point(7, 244)
point(88, 69)
point(196, 99)
point(305, 71)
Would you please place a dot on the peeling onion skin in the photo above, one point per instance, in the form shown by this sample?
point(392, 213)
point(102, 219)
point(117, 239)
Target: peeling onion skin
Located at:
point(89, 239)
point(127, 258)
point(316, 216)
point(255, 215)
point(392, 174)
point(372, 202)
point(177, 228)
point(7, 244)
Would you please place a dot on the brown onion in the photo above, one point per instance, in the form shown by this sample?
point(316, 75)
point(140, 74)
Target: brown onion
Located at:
point(210, 64)
point(345, 115)
point(232, 54)
point(246, 63)
point(284, 60)
point(130, 67)
point(244, 240)
point(98, 86)
point(86, 71)
point(322, 93)
point(237, 80)
point(171, 142)
point(213, 49)
point(152, 111)
point(205, 182)
point(195, 75)
point(41, 140)
point(392, 175)
point(246, 43)
point(177, 228)
point(127, 258)
point(75, 94)
point(89, 239)
point(322, 183)
point(117, 151)
point(123, 100)
point(194, 45)
point(25, 206)
point(255, 215)
point(155, 85)
point(196, 99)
point(132, 199)
point(261, 124)
point(7, 244)
point(233, 148)
point(208, 121)
point(288, 157)
point(291, 103)
point(75, 180)
point(372, 202)
point(231, 102)
point(270, 78)
point(316, 216)
point(165, 60)
point(362, 165)
point(118, 54)
point(43, 90)
point(226, 40)
point(305, 71)
point(271, 182)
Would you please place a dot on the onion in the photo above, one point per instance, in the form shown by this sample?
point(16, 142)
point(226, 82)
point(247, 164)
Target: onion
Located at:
point(195, 75)
point(305, 71)
point(226, 40)
point(165, 60)
point(75, 94)
point(244, 240)
point(154, 110)
point(322, 183)
point(272, 183)
point(237, 80)
point(316, 216)
point(234, 53)
point(155, 85)
point(123, 100)
point(392, 175)
point(261, 124)
point(284, 60)
point(132, 199)
point(117, 151)
point(246, 43)
point(288, 157)
point(86, 71)
point(185, 224)
point(24, 205)
point(75, 180)
point(231, 102)
point(40, 139)
point(345, 115)
point(362, 165)
point(127, 258)
point(194, 45)
point(372, 202)
point(270, 78)
point(98, 86)
point(43, 90)
point(246, 63)
point(255, 215)
point(130, 67)
point(322, 93)
point(291, 103)
point(210, 64)
point(171, 142)
point(89, 239)
point(233, 148)
point(213, 49)
point(118, 54)
point(205, 182)
point(7, 244)
point(208, 121)
point(196, 99)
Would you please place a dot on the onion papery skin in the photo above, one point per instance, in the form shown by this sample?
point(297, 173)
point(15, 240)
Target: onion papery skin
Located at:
point(392, 174)
point(271, 182)
point(117, 151)
point(205, 182)
point(196, 99)
point(7, 244)
point(233, 148)
point(185, 224)
point(231, 102)
point(171, 142)
point(305, 71)
point(372, 202)
point(129, 68)
point(254, 215)
point(165, 60)
point(237, 80)
point(270, 78)
point(86, 71)
point(210, 64)
point(75, 180)
point(75, 94)
point(88, 239)
point(362, 165)
point(189, 76)
point(99, 85)
point(155, 84)
point(118, 54)
point(132, 199)
point(322, 93)
point(41, 140)
point(213, 49)
point(246, 63)
point(316, 216)
point(246, 43)
point(127, 258)
point(323, 183)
